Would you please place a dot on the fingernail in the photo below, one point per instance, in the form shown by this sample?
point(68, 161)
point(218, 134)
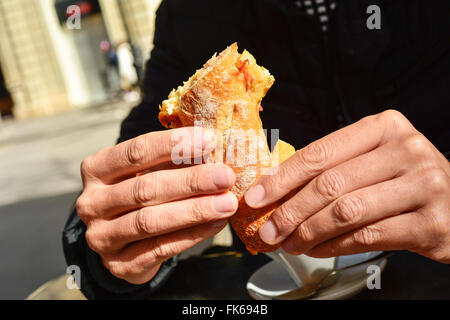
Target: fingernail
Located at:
point(222, 178)
point(268, 232)
point(225, 203)
point(254, 195)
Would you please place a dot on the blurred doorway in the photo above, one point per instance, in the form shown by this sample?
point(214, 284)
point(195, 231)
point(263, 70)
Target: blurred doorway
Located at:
point(93, 49)
point(50, 66)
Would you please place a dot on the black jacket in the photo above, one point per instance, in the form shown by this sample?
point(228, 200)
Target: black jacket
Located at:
point(323, 81)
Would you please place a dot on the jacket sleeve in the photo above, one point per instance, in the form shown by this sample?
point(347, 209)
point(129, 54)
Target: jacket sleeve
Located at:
point(164, 70)
point(96, 281)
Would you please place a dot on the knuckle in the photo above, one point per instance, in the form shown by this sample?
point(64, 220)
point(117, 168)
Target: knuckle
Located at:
point(197, 211)
point(432, 232)
point(93, 241)
point(163, 251)
point(86, 166)
point(367, 236)
point(394, 123)
point(89, 236)
point(329, 185)
point(368, 120)
point(393, 118)
point(440, 254)
point(422, 244)
point(285, 217)
point(416, 145)
point(193, 182)
point(393, 115)
point(144, 221)
point(274, 182)
point(348, 210)
point(420, 241)
point(117, 269)
point(316, 155)
point(135, 152)
point(144, 189)
point(304, 233)
point(438, 225)
point(436, 181)
point(84, 207)
point(441, 229)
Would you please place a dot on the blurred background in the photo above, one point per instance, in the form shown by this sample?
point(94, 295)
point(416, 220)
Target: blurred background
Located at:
point(68, 76)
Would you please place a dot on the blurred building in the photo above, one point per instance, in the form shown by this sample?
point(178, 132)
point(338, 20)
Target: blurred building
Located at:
point(49, 66)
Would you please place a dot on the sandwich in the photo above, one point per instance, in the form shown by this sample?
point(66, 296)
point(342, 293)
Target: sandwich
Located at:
point(225, 95)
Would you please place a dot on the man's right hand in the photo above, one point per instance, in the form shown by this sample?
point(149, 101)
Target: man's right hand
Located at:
point(141, 209)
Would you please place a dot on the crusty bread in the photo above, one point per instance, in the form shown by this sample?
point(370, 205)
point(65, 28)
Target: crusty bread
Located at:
point(247, 221)
point(226, 95)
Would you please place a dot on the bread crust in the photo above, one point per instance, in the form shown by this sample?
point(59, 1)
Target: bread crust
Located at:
point(225, 95)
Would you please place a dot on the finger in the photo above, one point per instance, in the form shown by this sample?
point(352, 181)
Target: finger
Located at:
point(153, 221)
point(137, 262)
point(170, 166)
point(365, 170)
point(356, 209)
point(402, 232)
point(335, 148)
point(146, 151)
point(160, 187)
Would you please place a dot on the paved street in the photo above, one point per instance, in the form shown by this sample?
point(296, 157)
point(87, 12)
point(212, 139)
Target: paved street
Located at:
point(39, 181)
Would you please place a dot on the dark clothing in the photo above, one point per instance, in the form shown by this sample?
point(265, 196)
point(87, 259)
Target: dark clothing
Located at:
point(323, 80)
point(320, 9)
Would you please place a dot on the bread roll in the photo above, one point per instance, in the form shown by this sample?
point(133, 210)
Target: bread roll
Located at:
point(226, 95)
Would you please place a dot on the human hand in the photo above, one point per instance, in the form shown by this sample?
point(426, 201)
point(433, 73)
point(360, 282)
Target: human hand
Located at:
point(140, 208)
point(377, 184)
